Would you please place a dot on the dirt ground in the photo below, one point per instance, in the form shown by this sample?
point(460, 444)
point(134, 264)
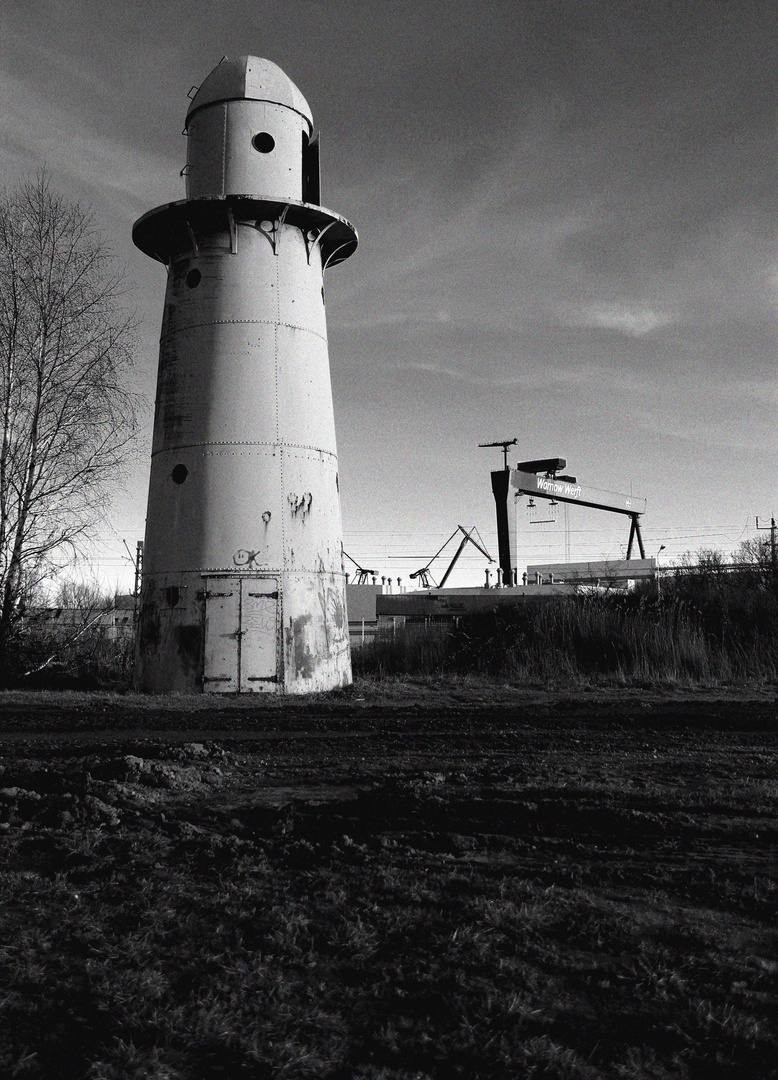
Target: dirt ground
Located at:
point(470, 879)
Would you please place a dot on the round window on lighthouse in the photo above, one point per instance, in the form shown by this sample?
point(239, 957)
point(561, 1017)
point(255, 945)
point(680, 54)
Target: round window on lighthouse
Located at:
point(263, 142)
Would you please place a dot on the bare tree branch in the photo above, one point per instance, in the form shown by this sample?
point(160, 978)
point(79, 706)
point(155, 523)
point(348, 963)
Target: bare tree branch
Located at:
point(67, 415)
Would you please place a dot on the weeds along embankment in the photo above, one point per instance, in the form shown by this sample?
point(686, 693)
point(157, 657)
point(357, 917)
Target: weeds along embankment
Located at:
point(697, 628)
point(704, 625)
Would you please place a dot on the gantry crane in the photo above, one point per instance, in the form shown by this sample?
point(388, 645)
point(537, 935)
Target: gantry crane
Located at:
point(526, 479)
point(543, 478)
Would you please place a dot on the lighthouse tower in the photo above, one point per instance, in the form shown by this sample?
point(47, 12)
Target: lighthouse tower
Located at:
point(243, 587)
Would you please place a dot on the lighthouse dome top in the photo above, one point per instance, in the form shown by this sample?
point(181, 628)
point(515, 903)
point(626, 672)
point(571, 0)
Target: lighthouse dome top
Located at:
point(249, 78)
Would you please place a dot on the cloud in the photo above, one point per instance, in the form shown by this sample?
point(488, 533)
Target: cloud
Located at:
point(526, 378)
point(458, 375)
point(764, 393)
point(36, 132)
point(64, 64)
point(397, 319)
point(632, 321)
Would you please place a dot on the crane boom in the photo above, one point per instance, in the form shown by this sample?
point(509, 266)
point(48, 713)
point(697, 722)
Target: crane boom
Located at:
point(362, 573)
point(568, 491)
point(545, 487)
point(423, 573)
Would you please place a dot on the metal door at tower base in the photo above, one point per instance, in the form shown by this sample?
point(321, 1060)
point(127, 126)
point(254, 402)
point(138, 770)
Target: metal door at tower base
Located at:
point(222, 635)
point(258, 660)
point(241, 635)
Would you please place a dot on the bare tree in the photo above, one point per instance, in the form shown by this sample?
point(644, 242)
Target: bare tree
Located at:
point(757, 554)
point(86, 597)
point(67, 415)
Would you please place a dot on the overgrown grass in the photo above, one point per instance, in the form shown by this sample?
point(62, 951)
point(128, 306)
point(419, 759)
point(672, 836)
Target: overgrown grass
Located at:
point(703, 629)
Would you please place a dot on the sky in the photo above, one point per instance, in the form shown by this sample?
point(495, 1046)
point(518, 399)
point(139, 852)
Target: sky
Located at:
point(568, 221)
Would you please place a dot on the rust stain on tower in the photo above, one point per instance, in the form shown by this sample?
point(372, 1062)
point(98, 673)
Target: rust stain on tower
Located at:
point(243, 587)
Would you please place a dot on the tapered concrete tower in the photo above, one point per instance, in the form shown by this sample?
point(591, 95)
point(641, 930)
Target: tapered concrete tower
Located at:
point(243, 585)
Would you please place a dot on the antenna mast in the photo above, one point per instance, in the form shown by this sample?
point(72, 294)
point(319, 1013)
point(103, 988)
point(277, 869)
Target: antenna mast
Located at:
point(505, 443)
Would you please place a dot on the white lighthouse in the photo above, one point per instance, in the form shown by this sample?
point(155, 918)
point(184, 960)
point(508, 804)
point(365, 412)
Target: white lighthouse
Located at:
point(243, 586)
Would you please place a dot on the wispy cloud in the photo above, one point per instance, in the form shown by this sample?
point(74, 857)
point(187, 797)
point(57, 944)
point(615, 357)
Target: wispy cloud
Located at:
point(66, 65)
point(462, 376)
point(630, 320)
point(36, 131)
point(499, 380)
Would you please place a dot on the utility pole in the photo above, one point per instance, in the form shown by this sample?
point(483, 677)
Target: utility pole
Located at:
point(771, 528)
point(658, 577)
point(138, 569)
point(137, 565)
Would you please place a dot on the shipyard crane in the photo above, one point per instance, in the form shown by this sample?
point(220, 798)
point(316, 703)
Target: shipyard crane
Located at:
point(362, 574)
point(423, 573)
point(526, 478)
point(544, 478)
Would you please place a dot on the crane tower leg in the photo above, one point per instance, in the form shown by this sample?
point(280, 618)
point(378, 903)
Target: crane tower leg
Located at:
point(634, 533)
point(500, 486)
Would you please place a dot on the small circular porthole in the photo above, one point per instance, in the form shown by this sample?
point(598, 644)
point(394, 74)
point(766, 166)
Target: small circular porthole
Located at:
point(263, 142)
point(179, 474)
point(193, 278)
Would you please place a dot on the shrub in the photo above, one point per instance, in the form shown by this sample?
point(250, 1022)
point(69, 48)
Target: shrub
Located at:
point(702, 628)
point(40, 659)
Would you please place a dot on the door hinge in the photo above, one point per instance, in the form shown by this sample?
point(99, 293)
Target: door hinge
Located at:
point(210, 595)
point(269, 595)
point(217, 678)
point(262, 678)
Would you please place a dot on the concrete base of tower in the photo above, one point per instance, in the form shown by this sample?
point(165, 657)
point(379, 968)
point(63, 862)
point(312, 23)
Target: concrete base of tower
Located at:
point(227, 632)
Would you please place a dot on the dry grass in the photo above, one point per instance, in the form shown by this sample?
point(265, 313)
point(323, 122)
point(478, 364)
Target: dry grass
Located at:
point(702, 631)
